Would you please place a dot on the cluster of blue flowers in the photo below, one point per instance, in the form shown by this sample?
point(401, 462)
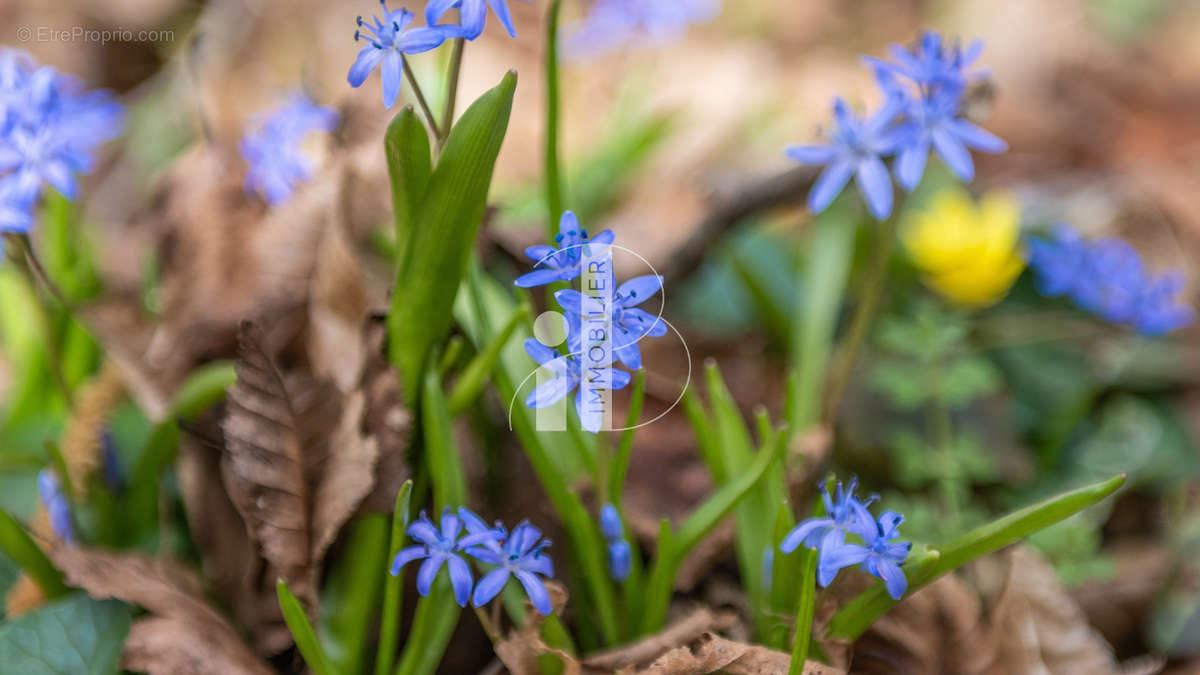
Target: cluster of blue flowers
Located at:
point(922, 111)
point(49, 126)
point(614, 24)
point(56, 504)
point(619, 552)
point(564, 262)
point(273, 151)
point(390, 38)
point(1107, 278)
point(878, 553)
point(520, 554)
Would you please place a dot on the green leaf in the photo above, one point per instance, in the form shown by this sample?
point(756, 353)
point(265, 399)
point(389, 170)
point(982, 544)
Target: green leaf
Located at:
point(302, 630)
point(479, 313)
point(350, 595)
point(442, 240)
point(620, 465)
point(18, 545)
point(393, 589)
point(433, 624)
point(72, 636)
point(673, 548)
point(406, 146)
point(858, 615)
point(473, 378)
point(449, 486)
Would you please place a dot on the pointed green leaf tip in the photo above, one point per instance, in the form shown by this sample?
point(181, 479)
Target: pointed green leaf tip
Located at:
point(858, 615)
point(306, 638)
point(447, 215)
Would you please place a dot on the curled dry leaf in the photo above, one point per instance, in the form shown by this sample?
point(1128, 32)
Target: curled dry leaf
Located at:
point(710, 653)
point(1039, 628)
point(700, 621)
point(295, 466)
point(519, 652)
point(185, 636)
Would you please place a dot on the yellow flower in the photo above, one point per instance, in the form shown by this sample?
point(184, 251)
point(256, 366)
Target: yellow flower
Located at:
point(966, 253)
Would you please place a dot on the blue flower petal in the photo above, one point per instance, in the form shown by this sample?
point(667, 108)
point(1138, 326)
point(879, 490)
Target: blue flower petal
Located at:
point(391, 71)
point(875, 184)
point(954, 153)
point(406, 556)
point(460, 579)
point(536, 590)
point(829, 184)
point(368, 58)
point(428, 572)
point(489, 586)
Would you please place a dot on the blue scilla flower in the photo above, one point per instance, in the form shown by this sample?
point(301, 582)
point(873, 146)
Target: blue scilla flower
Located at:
point(619, 552)
point(610, 523)
point(613, 24)
point(931, 81)
point(841, 513)
point(935, 122)
point(272, 147)
point(879, 555)
point(523, 556)
point(57, 507)
point(933, 65)
point(472, 16)
point(856, 149)
point(16, 210)
point(568, 376)
point(49, 124)
point(438, 547)
point(562, 262)
point(387, 41)
point(1159, 311)
point(629, 322)
point(1108, 278)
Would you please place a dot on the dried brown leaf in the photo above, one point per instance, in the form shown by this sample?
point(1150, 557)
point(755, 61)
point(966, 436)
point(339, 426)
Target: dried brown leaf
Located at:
point(700, 621)
point(710, 653)
point(185, 637)
point(519, 652)
point(1040, 628)
point(264, 465)
point(348, 476)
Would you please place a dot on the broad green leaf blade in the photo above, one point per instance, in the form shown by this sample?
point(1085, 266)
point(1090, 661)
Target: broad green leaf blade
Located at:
point(450, 214)
point(350, 595)
point(473, 378)
point(393, 590)
point(18, 545)
point(858, 615)
point(830, 254)
point(432, 627)
point(697, 526)
point(406, 146)
point(75, 635)
point(306, 639)
point(445, 469)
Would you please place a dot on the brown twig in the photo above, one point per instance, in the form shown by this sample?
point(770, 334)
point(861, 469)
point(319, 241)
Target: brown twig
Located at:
point(789, 187)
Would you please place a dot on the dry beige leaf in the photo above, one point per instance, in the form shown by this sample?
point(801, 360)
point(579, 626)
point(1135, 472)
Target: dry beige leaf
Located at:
point(1040, 628)
point(346, 479)
point(938, 629)
point(519, 652)
point(264, 465)
point(337, 309)
point(711, 653)
point(24, 596)
point(700, 621)
point(185, 637)
point(296, 467)
point(386, 420)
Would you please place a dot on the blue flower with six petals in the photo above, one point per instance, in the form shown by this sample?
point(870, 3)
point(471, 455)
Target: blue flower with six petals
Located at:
point(438, 547)
point(387, 42)
point(568, 375)
point(522, 555)
point(562, 263)
point(630, 323)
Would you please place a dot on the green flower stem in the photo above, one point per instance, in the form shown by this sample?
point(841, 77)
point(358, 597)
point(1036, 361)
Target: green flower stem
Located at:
point(424, 104)
point(554, 179)
point(28, 261)
point(456, 57)
point(864, 311)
